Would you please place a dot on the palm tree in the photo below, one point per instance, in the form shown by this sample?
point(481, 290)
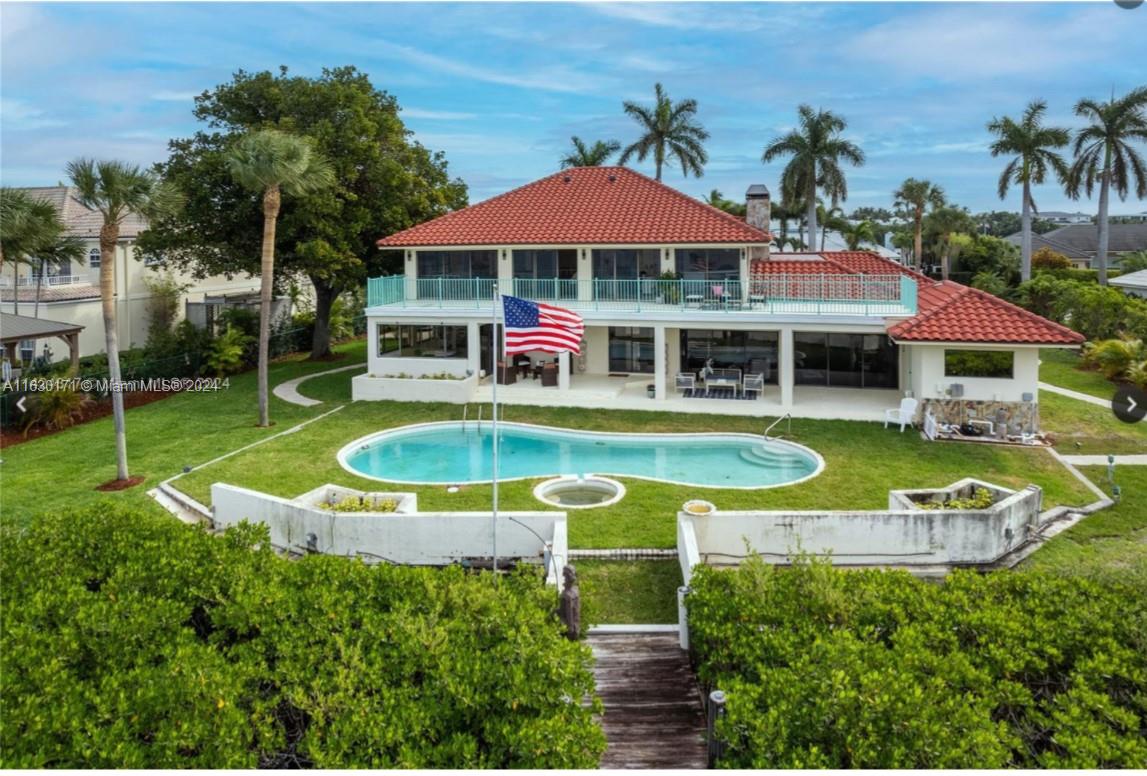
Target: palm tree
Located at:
point(915, 197)
point(816, 150)
point(595, 155)
point(27, 227)
point(1033, 145)
point(274, 163)
point(1103, 153)
point(832, 217)
point(117, 190)
point(945, 223)
point(669, 131)
point(62, 249)
point(856, 234)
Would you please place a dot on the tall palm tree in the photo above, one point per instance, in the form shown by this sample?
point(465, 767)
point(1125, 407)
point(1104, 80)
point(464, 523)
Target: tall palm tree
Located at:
point(1103, 153)
point(594, 155)
point(117, 190)
point(831, 217)
point(816, 150)
point(669, 131)
point(28, 226)
point(1033, 146)
point(274, 163)
point(914, 197)
point(857, 234)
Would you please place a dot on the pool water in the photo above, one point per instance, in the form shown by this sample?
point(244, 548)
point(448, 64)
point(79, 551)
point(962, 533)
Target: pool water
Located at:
point(450, 453)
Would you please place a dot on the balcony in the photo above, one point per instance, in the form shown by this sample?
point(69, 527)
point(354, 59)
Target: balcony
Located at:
point(864, 295)
point(29, 281)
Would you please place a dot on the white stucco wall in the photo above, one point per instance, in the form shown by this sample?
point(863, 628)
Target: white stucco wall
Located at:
point(421, 538)
point(929, 381)
point(368, 388)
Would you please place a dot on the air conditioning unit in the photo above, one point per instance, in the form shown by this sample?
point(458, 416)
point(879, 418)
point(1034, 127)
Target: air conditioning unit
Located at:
point(956, 390)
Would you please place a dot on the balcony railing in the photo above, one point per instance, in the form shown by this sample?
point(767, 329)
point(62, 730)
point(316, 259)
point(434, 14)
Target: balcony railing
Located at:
point(49, 280)
point(814, 294)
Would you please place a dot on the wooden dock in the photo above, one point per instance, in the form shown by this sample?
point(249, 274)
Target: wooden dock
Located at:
point(653, 715)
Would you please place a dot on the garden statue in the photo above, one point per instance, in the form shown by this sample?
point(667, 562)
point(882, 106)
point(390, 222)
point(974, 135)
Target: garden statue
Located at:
point(569, 609)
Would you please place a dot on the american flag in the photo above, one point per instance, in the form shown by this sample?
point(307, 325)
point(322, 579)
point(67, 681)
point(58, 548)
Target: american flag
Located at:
point(537, 326)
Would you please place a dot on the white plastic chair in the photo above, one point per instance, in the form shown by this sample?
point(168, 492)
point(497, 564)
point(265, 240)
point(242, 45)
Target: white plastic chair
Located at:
point(902, 414)
point(754, 383)
point(686, 382)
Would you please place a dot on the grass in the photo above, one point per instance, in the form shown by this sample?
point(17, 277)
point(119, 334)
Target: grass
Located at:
point(1113, 540)
point(629, 591)
point(863, 460)
point(63, 470)
point(1088, 429)
point(1065, 369)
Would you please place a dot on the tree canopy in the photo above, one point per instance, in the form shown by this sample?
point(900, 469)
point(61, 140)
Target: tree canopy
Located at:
point(384, 182)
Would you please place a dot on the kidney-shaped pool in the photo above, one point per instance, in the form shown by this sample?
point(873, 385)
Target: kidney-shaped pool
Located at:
point(454, 453)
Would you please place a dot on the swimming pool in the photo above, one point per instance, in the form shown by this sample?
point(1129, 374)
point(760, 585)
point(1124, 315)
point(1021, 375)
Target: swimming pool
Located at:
point(453, 454)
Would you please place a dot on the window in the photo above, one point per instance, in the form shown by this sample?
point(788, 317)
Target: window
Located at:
point(457, 264)
point(422, 341)
point(626, 264)
point(840, 360)
point(999, 364)
point(630, 349)
point(753, 352)
point(152, 261)
point(545, 264)
point(94, 258)
point(708, 263)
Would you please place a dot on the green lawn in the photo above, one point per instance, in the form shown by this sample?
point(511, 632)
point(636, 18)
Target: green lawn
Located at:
point(863, 460)
point(1065, 369)
point(1080, 427)
point(1113, 540)
point(629, 591)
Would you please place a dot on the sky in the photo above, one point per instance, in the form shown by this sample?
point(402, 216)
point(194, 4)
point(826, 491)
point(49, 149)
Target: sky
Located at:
point(500, 88)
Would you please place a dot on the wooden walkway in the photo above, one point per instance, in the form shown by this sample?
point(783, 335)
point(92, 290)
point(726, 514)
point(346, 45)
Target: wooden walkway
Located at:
point(653, 716)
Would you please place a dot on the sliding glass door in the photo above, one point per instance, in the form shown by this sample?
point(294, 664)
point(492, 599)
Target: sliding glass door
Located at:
point(839, 360)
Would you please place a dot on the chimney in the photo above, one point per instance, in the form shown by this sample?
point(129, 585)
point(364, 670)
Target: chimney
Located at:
point(758, 213)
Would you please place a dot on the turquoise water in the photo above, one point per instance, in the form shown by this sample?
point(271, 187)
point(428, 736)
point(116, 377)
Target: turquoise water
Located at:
point(447, 453)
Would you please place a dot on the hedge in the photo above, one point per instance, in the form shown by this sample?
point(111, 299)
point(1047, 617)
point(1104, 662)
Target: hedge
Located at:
point(847, 669)
point(130, 640)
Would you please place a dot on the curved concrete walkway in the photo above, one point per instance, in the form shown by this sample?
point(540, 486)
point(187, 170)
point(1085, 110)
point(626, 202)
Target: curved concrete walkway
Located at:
point(289, 390)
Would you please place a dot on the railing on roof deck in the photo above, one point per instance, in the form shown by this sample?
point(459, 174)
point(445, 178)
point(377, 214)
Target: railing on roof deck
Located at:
point(816, 294)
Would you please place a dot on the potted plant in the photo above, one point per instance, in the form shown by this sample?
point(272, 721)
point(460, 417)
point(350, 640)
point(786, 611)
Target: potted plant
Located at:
point(699, 507)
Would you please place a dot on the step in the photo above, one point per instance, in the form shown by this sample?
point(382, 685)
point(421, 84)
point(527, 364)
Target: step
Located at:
point(653, 716)
point(765, 457)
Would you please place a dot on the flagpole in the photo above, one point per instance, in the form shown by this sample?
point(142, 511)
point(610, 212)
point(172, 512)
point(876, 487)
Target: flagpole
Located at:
point(494, 431)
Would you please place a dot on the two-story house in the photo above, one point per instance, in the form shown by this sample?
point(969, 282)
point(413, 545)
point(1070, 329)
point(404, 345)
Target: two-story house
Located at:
point(673, 292)
point(71, 292)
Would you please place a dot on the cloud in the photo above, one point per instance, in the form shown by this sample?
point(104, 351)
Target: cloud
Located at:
point(168, 95)
point(436, 115)
point(18, 115)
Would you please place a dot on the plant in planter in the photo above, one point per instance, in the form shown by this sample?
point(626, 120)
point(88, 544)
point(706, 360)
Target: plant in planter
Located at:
point(981, 499)
point(699, 507)
point(361, 504)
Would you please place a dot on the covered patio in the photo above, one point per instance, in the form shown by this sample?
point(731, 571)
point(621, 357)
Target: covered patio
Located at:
point(630, 392)
point(15, 329)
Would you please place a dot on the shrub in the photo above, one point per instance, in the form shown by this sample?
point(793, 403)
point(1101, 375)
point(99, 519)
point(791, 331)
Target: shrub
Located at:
point(1115, 357)
point(981, 499)
point(131, 640)
point(853, 669)
point(56, 409)
point(227, 352)
point(362, 504)
point(1046, 258)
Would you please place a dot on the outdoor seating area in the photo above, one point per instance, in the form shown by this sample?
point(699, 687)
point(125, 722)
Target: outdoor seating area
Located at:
point(720, 383)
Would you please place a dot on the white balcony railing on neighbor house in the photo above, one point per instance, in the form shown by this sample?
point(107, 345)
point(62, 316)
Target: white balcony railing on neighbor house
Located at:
point(29, 281)
point(815, 294)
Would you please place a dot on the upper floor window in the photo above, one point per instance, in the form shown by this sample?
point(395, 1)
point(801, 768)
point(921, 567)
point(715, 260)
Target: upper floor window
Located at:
point(457, 264)
point(708, 263)
point(94, 258)
point(626, 263)
point(545, 264)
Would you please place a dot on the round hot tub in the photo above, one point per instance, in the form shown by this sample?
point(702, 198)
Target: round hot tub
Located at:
point(586, 492)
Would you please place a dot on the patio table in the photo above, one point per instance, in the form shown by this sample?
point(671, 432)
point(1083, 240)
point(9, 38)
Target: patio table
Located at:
point(723, 382)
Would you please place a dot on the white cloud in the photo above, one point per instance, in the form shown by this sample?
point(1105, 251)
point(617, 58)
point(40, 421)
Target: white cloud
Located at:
point(443, 115)
point(18, 115)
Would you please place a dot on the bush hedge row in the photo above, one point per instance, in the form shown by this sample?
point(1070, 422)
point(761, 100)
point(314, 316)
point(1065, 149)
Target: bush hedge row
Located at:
point(129, 640)
point(846, 669)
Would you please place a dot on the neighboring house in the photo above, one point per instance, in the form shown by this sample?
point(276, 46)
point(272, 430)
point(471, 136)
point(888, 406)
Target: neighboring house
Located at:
point(1080, 242)
point(1134, 283)
point(1060, 217)
point(667, 284)
point(71, 293)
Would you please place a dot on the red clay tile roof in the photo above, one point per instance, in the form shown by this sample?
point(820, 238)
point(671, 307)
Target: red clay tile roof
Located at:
point(950, 312)
point(73, 293)
point(946, 311)
point(579, 206)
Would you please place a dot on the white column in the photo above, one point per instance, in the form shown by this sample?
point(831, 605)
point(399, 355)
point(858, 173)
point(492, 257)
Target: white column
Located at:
point(785, 356)
point(745, 275)
point(505, 259)
point(668, 260)
point(659, 362)
point(564, 371)
point(473, 347)
point(584, 274)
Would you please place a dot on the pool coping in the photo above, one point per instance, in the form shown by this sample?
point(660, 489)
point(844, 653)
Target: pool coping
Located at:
point(358, 444)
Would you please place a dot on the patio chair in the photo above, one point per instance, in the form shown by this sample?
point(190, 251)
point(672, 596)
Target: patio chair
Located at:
point(754, 383)
point(904, 414)
point(550, 375)
point(506, 374)
point(686, 383)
